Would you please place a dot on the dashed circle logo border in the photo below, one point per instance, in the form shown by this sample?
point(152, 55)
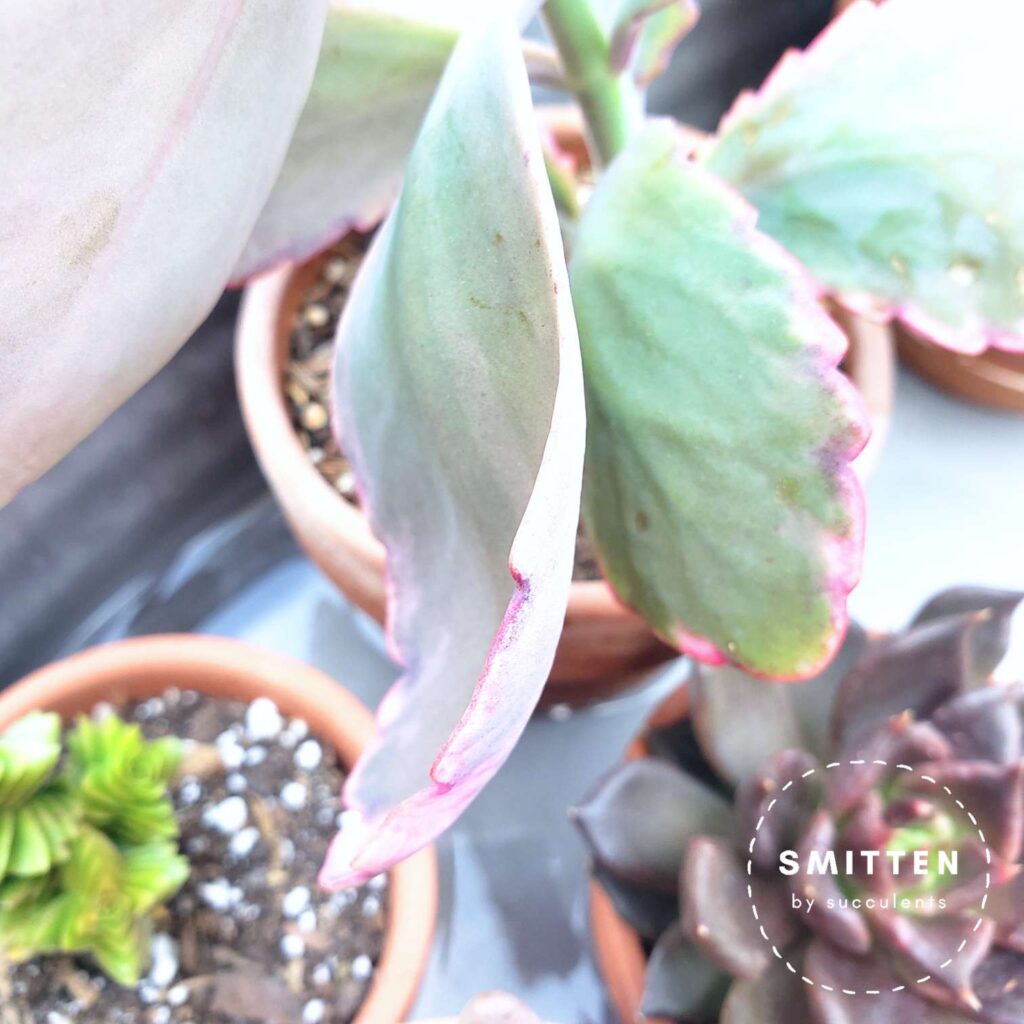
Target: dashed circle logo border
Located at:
point(885, 764)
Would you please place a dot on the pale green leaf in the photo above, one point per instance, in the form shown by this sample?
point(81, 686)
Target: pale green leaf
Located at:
point(459, 395)
point(718, 488)
point(379, 65)
point(888, 157)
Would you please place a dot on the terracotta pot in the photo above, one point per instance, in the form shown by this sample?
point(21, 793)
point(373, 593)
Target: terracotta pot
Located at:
point(147, 666)
point(604, 646)
point(618, 949)
point(994, 378)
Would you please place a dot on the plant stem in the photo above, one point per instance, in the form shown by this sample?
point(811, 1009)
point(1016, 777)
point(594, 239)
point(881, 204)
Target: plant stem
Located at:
point(563, 185)
point(611, 103)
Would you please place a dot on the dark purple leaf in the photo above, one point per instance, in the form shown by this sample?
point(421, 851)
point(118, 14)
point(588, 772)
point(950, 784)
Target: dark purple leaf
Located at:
point(983, 725)
point(991, 634)
point(1005, 904)
point(916, 671)
point(781, 812)
point(646, 910)
point(640, 818)
point(681, 983)
point(717, 914)
point(838, 922)
point(866, 829)
point(968, 887)
point(999, 984)
point(776, 997)
point(909, 810)
point(931, 947)
point(992, 793)
point(863, 765)
point(833, 971)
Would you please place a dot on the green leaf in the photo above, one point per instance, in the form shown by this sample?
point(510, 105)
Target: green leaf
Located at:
point(884, 158)
point(718, 489)
point(132, 175)
point(30, 852)
point(121, 779)
point(152, 874)
point(379, 65)
point(7, 827)
point(459, 395)
point(29, 751)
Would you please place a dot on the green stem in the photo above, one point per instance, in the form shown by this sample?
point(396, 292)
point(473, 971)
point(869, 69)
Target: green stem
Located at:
point(611, 103)
point(563, 185)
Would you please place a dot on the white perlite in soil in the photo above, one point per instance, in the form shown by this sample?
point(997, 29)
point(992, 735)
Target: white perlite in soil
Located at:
point(250, 939)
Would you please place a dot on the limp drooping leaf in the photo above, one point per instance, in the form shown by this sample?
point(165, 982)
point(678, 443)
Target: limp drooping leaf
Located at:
point(140, 142)
point(459, 395)
point(886, 158)
point(379, 65)
point(718, 488)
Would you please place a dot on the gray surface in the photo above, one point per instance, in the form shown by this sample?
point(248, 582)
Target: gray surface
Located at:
point(945, 504)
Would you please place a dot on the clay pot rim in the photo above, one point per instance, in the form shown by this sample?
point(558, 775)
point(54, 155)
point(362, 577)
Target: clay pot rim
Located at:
point(146, 666)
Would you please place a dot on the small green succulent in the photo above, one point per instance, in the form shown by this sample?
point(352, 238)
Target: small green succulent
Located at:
point(88, 845)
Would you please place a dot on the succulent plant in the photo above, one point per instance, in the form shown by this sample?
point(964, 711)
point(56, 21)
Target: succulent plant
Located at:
point(843, 851)
point(87, 846)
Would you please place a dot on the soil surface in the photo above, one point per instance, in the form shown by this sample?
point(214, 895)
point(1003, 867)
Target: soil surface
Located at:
point(250, 939)
point(307, 382)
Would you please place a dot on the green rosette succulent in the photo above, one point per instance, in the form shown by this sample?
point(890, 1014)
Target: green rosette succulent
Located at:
point(843, 851)
point(87, 845)
point(121, 779)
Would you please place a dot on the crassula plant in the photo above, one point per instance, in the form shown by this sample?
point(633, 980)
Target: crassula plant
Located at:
point(154, 152)
point(88, 840)
point(843, 851)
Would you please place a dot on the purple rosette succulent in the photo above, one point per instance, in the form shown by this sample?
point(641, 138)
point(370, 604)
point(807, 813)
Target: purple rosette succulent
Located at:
point(842, 851)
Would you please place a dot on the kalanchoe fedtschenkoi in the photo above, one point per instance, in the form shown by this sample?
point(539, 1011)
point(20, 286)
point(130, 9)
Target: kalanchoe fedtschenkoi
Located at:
point(87, 847)
point(844, 850)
